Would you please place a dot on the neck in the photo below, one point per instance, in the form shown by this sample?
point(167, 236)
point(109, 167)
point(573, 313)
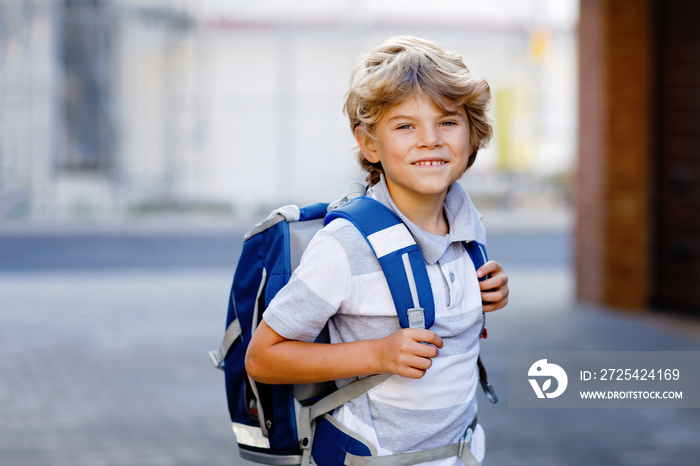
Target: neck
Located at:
point(426, 211)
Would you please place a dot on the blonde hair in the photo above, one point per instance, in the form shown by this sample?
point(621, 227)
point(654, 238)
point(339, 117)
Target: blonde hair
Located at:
point(404, 67)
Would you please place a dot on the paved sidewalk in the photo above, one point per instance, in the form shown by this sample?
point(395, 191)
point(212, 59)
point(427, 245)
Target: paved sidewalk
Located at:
point(110, 368)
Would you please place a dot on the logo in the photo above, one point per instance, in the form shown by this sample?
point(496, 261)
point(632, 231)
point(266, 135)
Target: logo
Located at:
point(543, 369)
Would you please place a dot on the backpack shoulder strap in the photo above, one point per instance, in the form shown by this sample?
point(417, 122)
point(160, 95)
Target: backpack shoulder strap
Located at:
point(399, 256)
point(477, 252)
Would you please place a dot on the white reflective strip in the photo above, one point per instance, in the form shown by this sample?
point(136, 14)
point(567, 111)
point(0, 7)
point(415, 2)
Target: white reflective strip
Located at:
point(261, 413)
point(249, 435)
point(411, 280)
point(232, 333)
point(256, 309)
point(483, 254)
point(390, 239)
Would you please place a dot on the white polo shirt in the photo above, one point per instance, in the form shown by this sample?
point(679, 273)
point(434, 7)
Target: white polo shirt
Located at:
point(339, 279)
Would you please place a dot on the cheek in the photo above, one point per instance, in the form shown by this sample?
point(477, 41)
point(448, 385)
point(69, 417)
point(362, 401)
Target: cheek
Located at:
point(466, 145)
point(460, 146)
point(386, 149)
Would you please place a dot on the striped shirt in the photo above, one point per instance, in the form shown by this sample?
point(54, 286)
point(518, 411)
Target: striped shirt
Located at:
point(339, 279)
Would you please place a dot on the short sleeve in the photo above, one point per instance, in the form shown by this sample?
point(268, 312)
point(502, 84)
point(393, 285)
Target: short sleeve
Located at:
point(315, 292)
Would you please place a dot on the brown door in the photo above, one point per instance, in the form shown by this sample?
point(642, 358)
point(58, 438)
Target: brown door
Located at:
point(677, 158)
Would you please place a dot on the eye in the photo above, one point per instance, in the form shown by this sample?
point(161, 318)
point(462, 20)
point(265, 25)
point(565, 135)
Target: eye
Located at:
point(404, 127)
point(448, 123)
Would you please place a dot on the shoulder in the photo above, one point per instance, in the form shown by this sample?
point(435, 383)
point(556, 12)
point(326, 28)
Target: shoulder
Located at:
point(354, 245)
point(343, 232)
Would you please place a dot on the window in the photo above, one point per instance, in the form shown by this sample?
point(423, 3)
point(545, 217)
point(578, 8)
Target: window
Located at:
point(85, 92)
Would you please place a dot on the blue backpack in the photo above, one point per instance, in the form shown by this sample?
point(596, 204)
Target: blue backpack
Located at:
point(291, 424)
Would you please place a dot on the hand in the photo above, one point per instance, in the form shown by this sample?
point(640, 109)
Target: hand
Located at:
point(494, 290)
point(406, 353)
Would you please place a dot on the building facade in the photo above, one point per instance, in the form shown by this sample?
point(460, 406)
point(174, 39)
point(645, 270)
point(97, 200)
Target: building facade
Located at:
point(638, 178)
point(115, 107)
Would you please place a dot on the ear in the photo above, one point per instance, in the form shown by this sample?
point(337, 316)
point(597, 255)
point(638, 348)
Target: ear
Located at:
point(367, 144)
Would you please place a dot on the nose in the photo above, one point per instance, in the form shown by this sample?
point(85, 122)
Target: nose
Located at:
point(429, 138)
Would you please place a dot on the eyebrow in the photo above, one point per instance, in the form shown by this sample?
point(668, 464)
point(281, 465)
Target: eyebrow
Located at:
point(400, 117)
point(407, 117)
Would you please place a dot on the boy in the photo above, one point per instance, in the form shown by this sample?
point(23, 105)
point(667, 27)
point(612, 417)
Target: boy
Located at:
point(419, 118)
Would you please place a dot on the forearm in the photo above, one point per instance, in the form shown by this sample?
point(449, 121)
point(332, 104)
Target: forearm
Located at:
point(273, 359)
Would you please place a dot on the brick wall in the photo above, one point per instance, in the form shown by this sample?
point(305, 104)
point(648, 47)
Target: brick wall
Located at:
point(613, 181)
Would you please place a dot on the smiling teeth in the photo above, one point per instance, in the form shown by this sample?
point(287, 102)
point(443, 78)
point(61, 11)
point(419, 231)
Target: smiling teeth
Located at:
point(431, 162)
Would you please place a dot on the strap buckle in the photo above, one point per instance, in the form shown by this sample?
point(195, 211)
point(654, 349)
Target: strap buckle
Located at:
point(489, 392)
point(465, 441)
point(484, 381)
point(216, 360)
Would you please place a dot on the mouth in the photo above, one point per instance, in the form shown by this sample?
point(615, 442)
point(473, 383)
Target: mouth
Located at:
point(426, 163)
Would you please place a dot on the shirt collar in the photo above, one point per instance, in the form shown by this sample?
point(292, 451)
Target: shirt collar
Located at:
point(463, 219)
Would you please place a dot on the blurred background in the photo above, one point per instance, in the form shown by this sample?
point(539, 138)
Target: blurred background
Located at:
point(140, 139)
point(132, 107)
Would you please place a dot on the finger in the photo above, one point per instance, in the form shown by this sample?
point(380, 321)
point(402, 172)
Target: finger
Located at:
point(410, 363)
point(493, 296)
point(434, 340)
point(489, 307)
point(421, 363)
point(496, 281)
point(426, 336)
point(426, 351)
point(412, 373)
point(491, 267)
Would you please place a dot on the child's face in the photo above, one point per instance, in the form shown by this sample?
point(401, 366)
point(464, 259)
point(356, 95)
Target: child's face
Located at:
point(423, 150)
